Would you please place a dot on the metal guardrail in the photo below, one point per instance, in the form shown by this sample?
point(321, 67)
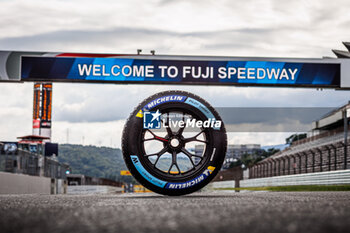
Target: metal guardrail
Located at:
point(305, 158)
point(223, 184)
point(317, 178)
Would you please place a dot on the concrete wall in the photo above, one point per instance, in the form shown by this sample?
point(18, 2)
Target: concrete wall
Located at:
point(92, 189)
point(317, 178)
point(11, 183)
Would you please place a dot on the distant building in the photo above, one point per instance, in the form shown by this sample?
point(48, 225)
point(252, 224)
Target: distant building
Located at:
point(80, 179)
point(331, 121)
point(234, 151)
point(32, 155)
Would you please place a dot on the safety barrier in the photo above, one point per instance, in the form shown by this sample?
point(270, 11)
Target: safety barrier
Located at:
point(317, 178)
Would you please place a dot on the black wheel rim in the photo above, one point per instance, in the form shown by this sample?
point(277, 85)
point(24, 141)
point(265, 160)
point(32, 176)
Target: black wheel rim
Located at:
point(175, 146)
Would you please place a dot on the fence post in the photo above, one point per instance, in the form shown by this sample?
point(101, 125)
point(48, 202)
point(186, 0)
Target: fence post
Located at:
point(335, 157)
point(313, 160)
point(345, 139)
point(329, 157)
point(255, 171)
point(321, 159)
point(288, 159)
point(263, 169)
point(306, 165)
point(294, 164)
point(299, 157)
point(279, 167)
point(271, 167)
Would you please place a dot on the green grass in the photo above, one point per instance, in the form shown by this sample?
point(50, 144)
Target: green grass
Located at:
point(294, 188)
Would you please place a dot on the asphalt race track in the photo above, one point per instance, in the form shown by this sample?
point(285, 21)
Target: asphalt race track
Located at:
point(201, 212)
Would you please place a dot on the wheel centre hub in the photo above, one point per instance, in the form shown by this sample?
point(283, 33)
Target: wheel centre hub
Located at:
point(174, 142)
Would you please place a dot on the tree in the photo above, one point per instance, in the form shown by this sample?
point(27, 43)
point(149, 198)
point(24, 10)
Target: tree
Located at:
point(250, 159)
point(101, 162)
point(295, 137)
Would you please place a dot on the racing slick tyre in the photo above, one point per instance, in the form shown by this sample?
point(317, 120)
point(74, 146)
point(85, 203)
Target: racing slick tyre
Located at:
point(174, 143)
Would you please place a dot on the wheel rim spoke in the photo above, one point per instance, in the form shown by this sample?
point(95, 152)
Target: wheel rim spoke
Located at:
point(155, 137)
point(189, 156)
point(155, 163)
point(181, 130)
point(168, 129)
point(167, 126)
point(173, 158)
point(172, 150)
point(177, 166)
point(174, 163)
point(186, 152)
point(171, 166)
point(194, 138)
point(199, 133)
point(161, 152)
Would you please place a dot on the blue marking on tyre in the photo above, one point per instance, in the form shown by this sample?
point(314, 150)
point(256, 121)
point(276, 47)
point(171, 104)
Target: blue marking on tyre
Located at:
point(164, 99)
point(192, 182)
point(135, 160)
point(202, 108)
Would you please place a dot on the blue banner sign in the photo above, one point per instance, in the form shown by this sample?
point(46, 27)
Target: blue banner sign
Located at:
point(159, 71)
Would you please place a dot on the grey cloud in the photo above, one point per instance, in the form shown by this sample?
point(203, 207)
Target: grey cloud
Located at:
point(116, 34)
point(169, 2)
point(113, 36)
point(122, 39)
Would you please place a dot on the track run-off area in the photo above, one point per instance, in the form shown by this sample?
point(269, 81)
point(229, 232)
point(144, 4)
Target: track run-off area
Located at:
point(219, 211)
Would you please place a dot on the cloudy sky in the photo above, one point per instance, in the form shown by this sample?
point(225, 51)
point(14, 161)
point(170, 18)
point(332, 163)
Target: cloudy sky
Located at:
point(95, 114)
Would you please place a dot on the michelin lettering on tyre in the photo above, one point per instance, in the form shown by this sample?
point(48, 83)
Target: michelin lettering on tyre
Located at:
point(163, 184)
point(158, 101)
point(145, 173)
point(193, 182)
point(162, 100)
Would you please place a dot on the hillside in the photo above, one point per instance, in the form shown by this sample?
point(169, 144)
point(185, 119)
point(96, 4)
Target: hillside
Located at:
point(104, 162)
point(94, 161)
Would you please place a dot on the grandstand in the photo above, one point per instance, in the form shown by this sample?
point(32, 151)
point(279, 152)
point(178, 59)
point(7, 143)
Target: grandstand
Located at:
point(325, 149)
